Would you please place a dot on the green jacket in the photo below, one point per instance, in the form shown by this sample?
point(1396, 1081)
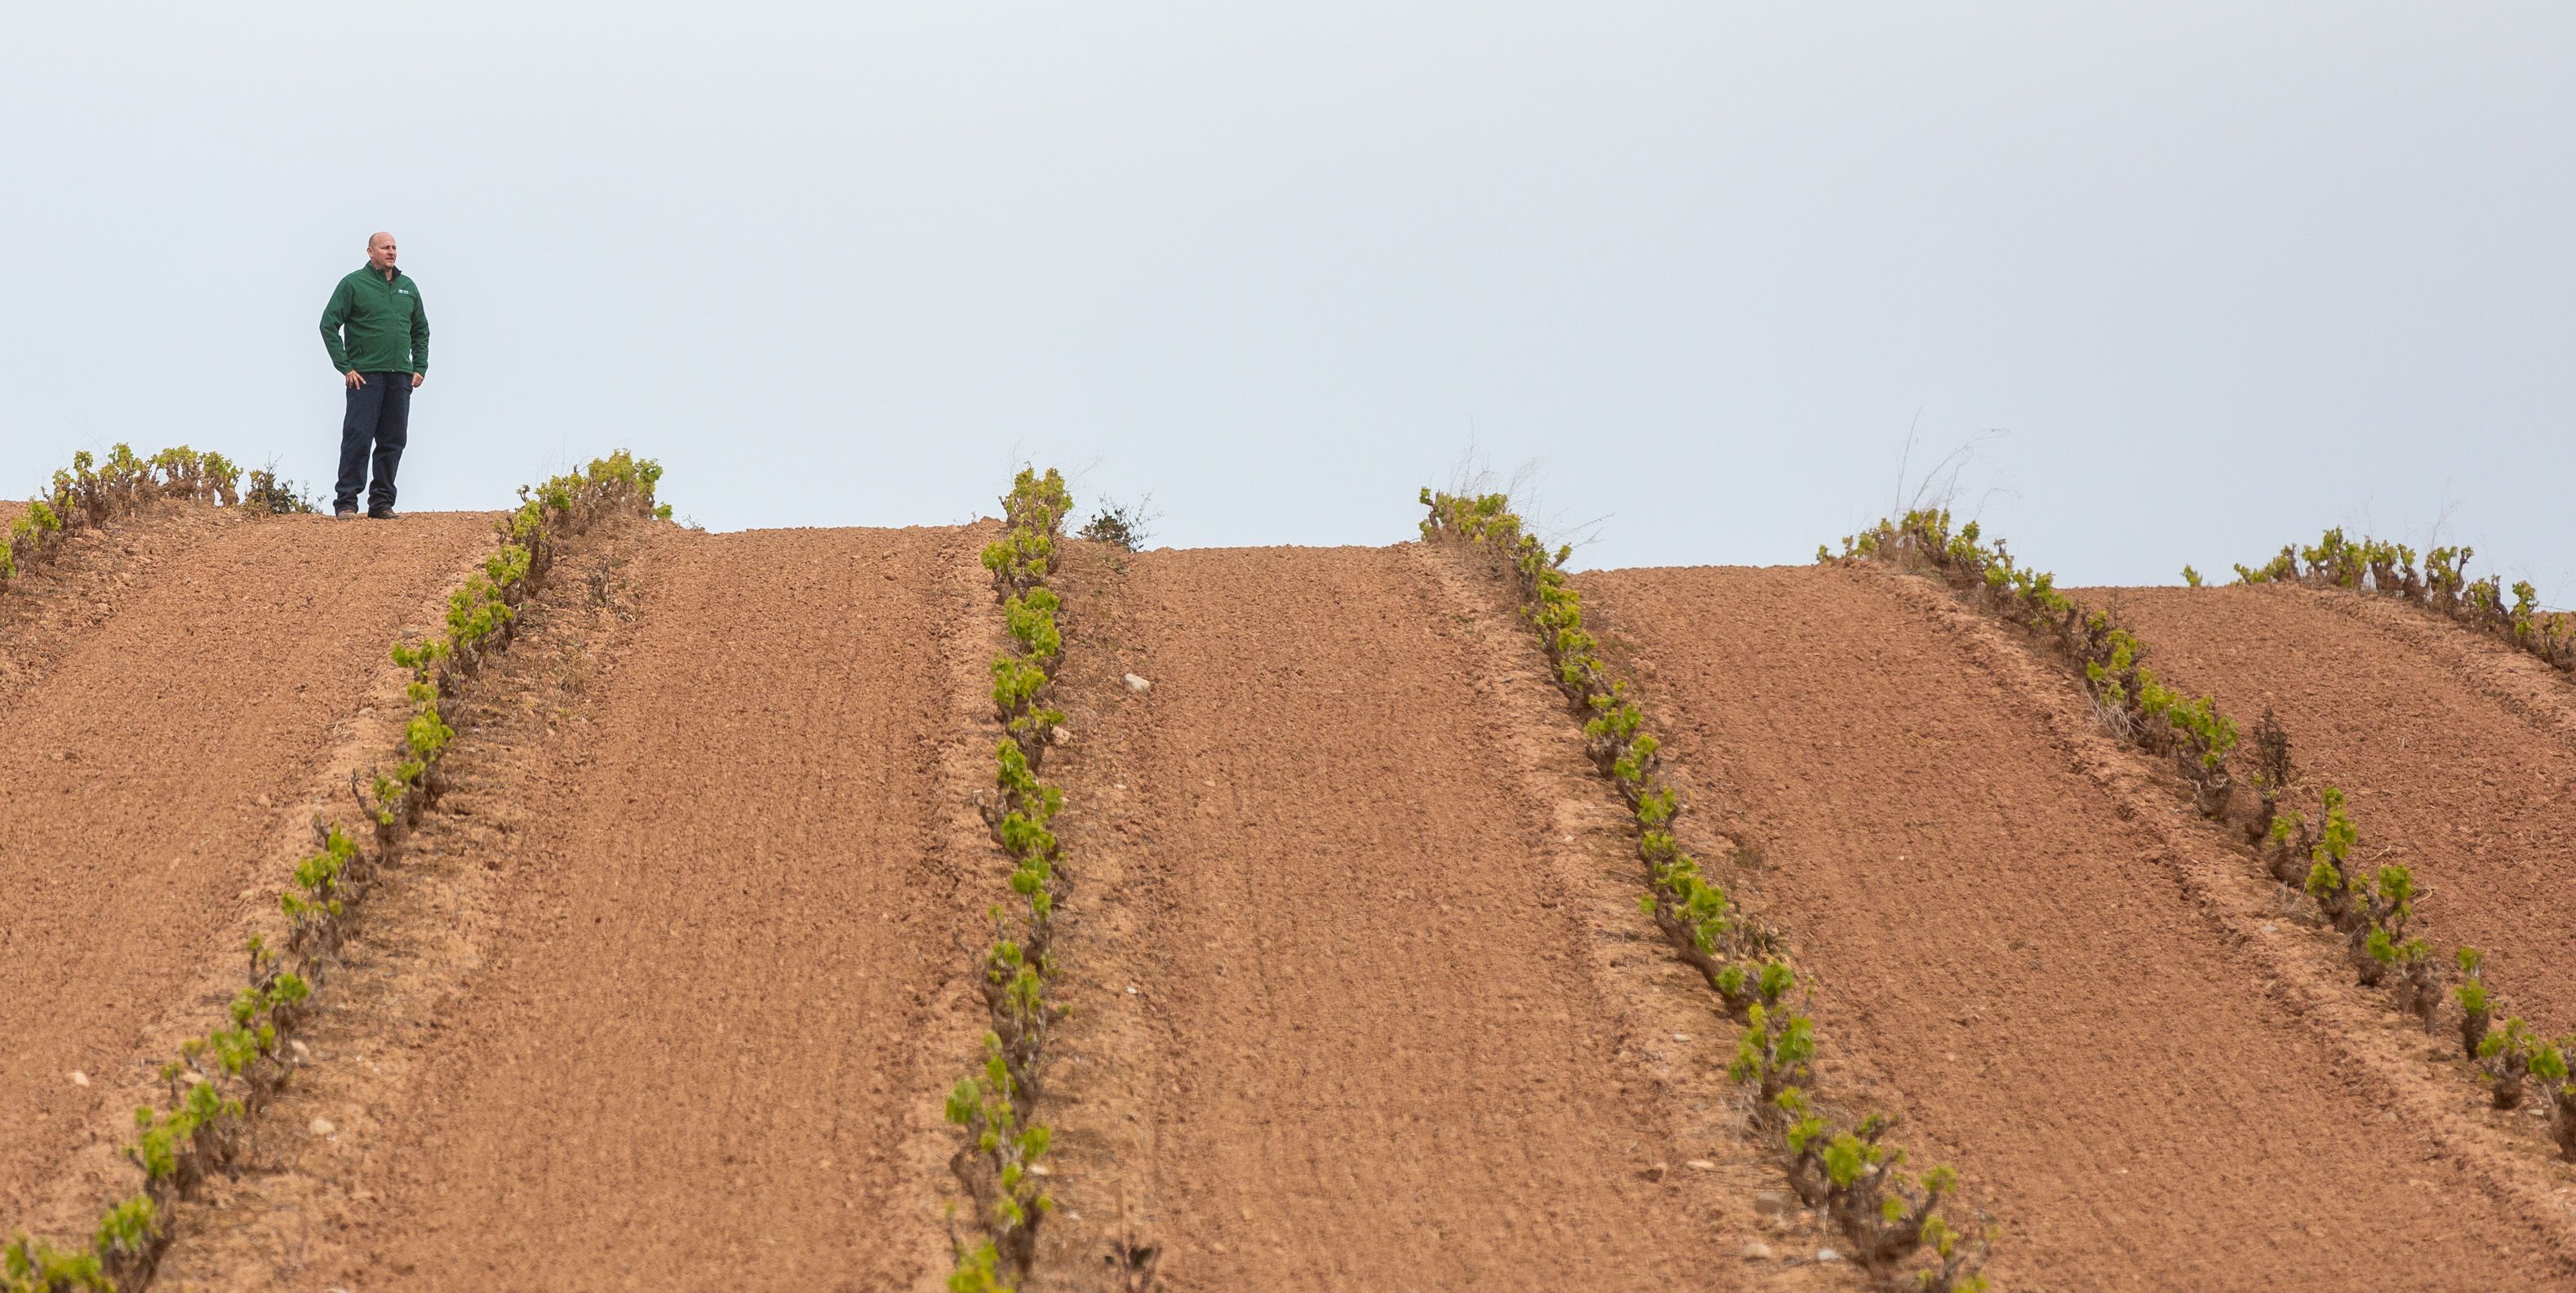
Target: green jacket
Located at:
point(388, 329)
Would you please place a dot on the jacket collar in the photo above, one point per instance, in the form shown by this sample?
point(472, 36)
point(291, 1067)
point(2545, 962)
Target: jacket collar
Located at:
point(369, 269)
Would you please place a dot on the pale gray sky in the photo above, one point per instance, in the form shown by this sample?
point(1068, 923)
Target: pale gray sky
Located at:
point(2227, 273)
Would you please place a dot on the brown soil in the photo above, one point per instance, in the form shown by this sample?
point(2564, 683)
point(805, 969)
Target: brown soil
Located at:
point(2035, 966)
point(153, 742)
point(2454, 764)
point(289, 1208)
point(1350, 968)
point(47, 609)
point(712, 1005)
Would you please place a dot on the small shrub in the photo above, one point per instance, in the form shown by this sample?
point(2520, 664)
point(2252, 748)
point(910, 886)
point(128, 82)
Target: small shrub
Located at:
point(277, 497)
point(2443, 587)
point(2476, 1008)
point(2271, 773)
point(1120, 524)
point(2549, 1070)
point(2505, 1056)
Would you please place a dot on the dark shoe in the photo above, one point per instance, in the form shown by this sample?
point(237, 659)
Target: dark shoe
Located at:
point(343, 511)
point(384, 513)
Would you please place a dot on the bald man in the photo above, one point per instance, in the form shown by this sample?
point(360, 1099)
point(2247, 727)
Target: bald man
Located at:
point(383, 357)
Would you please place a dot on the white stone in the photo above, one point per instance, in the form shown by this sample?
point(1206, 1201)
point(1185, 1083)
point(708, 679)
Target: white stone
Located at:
point(1828, 1255)
point(1757, 1251)
point(323, 1127)
point(1138, 685)
point(79, 1078)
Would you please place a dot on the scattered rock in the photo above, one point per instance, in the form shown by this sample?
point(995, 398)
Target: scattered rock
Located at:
point(1773, 1203)
point(1700, 1165)
point(1828, 1255)
point(262, 801)
point(1652, 1171)
point(1138, 685)
point(323, 1127)
point(79, 1078)
point(1059, 734)
point(302, 1051)
point(1757, 1251)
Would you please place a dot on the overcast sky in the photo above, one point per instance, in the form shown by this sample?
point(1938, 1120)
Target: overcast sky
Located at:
point(2223, 274)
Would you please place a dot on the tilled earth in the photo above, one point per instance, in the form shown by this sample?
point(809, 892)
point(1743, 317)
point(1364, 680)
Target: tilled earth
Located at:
point(2005, 953)
point(700, 1041)
point(1382, 1058)
point(673, 988)
point(2459, 755)
point(158, 740)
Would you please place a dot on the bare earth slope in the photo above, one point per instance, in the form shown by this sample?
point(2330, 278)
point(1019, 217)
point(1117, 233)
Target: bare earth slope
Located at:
point(694, 1049)
point(132, 775)
point(1385, 1062)
point(2007, 956)
point(2479, 799)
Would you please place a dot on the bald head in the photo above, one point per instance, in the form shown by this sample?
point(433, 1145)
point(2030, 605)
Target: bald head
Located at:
point(380, 251)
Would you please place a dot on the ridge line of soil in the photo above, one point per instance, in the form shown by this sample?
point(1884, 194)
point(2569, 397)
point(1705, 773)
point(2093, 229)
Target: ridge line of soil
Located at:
point(1364, 963)
point(424, 931)
point(2042, 1007)
point(1515, 598)
point(45, 611)
point(2519, 683)
point(2442, 770)
point(2233, 896)
point(743, 890)
point(1668, 1022)
point(240, 725)
point(968, 643)
point(1107, 1049)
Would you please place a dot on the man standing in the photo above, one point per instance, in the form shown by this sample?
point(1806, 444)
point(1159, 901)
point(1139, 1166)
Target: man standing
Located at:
point(385, 355)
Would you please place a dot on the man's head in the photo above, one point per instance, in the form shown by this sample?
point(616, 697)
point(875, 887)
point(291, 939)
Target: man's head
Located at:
point(380, 251)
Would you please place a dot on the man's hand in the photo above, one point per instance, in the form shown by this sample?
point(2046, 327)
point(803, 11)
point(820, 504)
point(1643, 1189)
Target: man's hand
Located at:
point(353, 380)
point(417, 379)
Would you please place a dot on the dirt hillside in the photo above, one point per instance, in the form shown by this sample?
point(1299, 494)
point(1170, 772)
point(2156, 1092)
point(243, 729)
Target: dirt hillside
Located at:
point(1382, 1056)
point(150, 776)
point(699, 1042)
point(2001, 949)
point(2463, 780)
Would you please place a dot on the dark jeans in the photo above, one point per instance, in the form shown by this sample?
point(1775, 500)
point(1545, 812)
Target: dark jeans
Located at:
point(379, 412)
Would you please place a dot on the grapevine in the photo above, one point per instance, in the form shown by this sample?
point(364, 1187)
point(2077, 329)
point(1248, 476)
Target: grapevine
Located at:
point(90, 493)
point(1000, 1160)
point(2441, 586)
